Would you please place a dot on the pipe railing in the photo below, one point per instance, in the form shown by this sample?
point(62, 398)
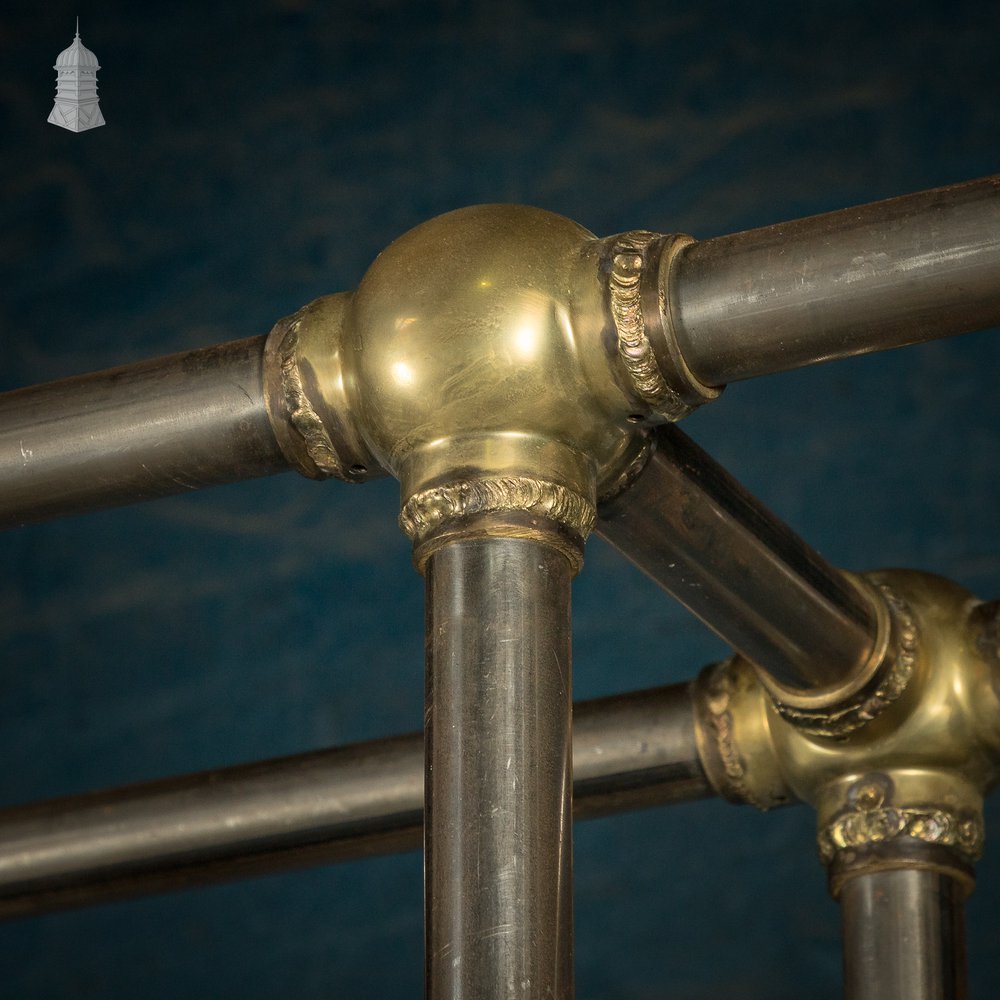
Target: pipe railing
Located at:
point(135, 433)
point(507, 392)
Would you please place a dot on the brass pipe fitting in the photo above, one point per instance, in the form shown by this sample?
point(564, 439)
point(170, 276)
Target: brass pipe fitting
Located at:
point(306, 393)
point(499, 360)
point(904, 789)
point(872, 686)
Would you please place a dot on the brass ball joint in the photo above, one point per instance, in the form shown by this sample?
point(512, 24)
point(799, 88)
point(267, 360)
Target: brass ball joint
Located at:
point(903, 790)
point(498, 360)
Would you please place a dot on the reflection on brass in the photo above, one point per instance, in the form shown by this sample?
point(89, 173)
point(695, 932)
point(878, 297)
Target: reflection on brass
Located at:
point(474, 350)
point(914, 773)
point(428, 510)
point(875, 687)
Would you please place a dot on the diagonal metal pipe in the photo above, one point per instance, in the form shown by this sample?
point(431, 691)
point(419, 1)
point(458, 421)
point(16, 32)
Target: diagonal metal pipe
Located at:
point(694, 530)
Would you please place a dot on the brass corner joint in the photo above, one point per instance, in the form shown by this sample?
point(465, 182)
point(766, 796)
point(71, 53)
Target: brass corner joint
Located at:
point(501, 361)
point(900, 786)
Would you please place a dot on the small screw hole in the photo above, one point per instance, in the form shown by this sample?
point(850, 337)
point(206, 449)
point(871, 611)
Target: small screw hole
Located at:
point(358, 470)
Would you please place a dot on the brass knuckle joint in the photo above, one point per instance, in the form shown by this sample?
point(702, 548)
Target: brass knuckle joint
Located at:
point(906, 788)
point(491, 359)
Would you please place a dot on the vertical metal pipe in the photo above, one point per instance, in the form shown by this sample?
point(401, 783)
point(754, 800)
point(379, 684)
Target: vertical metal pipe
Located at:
point(498, 819)
point(904, 936)
point(702, 537)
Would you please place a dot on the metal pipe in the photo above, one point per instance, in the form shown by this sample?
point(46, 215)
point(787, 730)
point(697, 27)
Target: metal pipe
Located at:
point(904, 936)
point(694, 530)
point(498, 838)
point(135, 433)
point(831, 286)
point(629, 752)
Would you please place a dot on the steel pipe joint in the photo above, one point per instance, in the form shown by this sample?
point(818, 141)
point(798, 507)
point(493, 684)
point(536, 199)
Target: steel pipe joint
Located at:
point(906, 788)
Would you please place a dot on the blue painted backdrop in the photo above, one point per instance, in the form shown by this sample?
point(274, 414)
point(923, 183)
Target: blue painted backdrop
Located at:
point(260, 154)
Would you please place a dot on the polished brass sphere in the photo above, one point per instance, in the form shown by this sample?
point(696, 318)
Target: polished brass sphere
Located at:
point(475, 347)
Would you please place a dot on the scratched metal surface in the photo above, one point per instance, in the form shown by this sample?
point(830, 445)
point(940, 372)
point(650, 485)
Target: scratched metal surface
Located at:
point(260, 154)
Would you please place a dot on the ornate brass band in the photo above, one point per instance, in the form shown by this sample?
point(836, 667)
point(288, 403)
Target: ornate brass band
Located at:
point(639, 300)
point(864, 827)
point(634, 348)
point(304, 389)
point(723, 699)
point(734, 718)
point(507, 507)
point(429, 509)
point(886, 684)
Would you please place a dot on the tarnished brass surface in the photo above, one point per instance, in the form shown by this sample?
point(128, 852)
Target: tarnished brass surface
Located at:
point(306, 396)
point(914, 773)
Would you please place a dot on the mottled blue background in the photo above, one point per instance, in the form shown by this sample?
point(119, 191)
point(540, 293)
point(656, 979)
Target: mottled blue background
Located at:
point(260, 154)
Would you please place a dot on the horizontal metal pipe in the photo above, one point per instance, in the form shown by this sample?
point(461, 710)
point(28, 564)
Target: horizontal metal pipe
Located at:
point(849, 282)
point(135, 433)
point(904, 936)
point(701, 536)
point(366, 799)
